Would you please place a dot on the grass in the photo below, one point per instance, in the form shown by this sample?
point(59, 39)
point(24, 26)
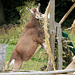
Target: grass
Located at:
point(9, 51)
point(72, 38)
point(35, 63)
point(39, 60)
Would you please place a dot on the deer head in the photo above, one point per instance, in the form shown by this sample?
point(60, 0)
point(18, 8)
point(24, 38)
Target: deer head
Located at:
point(35, 12)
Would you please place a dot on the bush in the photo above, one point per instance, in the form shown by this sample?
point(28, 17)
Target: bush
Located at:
point(11, 35)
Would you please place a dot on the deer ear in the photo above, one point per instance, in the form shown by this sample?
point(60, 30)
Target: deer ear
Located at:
point(29, 10)
point(38, 6)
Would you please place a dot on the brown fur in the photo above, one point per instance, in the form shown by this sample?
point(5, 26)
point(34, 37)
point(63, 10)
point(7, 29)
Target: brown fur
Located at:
point(28, 42)
point(73, 0)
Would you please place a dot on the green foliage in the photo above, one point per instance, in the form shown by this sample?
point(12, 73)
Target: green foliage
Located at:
point(9, 51)
point(24, 14)
point(72, 38)
point(12, 34)
point(11, 14)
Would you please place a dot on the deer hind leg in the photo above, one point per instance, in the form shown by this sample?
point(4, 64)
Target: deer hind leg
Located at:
point(17, 64)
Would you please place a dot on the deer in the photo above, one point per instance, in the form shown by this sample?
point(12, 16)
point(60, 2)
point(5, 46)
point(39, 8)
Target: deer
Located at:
point(29, 40)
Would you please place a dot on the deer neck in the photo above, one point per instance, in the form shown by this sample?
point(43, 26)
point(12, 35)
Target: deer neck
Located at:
point(36, 22)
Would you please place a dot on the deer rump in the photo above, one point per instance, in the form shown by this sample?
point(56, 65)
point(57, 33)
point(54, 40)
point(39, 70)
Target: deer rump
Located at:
point(28, 42)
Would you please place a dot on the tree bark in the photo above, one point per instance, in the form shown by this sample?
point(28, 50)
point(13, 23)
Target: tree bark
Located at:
point(2, 18)
point(52, 31)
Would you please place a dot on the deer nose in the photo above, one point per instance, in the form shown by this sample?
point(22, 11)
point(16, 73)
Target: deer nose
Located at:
point(37, 16)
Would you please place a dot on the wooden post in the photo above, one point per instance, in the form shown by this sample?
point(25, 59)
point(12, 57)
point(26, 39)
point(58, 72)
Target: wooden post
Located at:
point(52, 30)
point(59, 36)
point(57, 72)
point(52, 25)
point(3, 48)
point(59, 40)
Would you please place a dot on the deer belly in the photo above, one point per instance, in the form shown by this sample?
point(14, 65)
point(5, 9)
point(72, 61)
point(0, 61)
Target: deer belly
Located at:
point(26, 48)
point(29, 51)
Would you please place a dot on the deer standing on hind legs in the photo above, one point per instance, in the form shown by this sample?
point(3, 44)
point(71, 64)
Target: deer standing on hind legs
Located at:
point(28, 42)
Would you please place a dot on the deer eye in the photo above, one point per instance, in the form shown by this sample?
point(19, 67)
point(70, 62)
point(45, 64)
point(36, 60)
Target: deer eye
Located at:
point(37, 16)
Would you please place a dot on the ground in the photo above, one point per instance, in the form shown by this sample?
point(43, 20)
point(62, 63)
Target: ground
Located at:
point(35, 63)
point(38, 61)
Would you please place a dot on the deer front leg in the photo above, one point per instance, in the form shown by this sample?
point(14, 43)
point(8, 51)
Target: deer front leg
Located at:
point(18, 64)
point(39, 40)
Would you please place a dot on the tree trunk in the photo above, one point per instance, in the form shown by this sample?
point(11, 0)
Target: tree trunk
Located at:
point(2, 18)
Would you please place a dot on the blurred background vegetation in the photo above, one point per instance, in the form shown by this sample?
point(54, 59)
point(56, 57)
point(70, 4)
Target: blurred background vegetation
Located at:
point(13, 8)
point(14, 17)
